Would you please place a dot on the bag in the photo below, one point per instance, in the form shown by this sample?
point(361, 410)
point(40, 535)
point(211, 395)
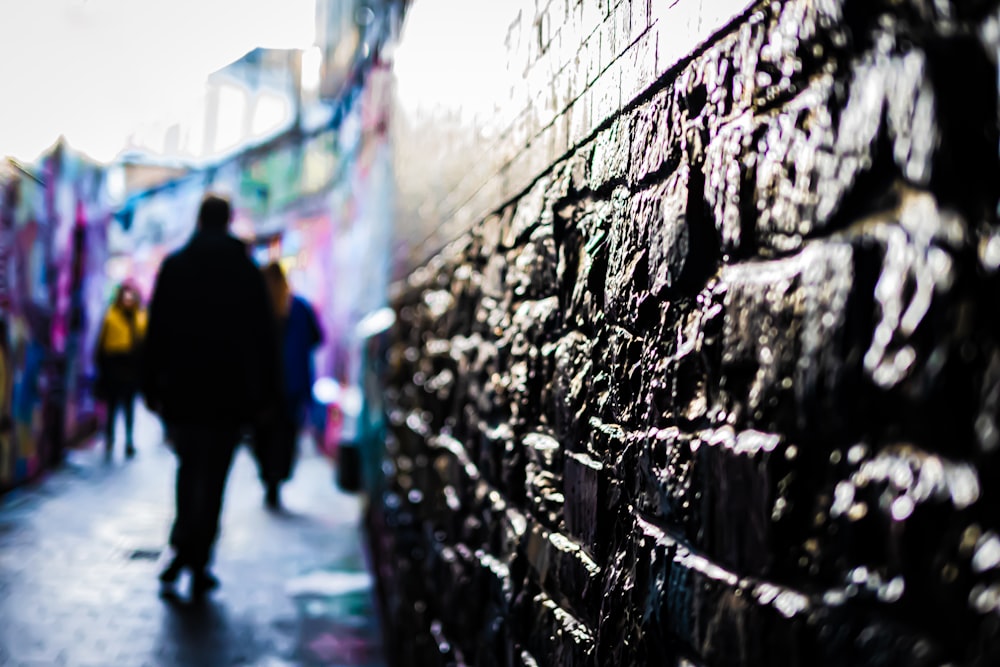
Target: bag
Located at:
point(349, 467)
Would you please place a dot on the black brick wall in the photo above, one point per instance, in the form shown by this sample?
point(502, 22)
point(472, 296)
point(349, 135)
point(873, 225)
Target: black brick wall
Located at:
point(722, 386)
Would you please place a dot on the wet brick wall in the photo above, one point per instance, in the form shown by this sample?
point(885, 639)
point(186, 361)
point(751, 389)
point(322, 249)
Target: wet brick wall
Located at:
point(721, 386)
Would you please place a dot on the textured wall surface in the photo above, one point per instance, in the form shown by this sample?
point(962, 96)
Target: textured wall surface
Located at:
point(720, 385)
point(534, 81)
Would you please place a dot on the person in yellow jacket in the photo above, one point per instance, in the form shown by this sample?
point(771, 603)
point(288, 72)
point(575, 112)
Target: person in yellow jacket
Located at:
point(119, 348)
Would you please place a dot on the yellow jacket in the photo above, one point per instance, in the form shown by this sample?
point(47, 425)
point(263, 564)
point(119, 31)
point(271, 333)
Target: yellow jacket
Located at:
point(116, 334)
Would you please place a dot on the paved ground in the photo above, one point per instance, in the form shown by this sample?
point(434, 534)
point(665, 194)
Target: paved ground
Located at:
point(80, 552)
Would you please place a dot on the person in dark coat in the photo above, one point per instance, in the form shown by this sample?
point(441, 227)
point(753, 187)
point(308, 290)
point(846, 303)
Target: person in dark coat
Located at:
point(299, 335)
point(118, 351)
point(210, 371)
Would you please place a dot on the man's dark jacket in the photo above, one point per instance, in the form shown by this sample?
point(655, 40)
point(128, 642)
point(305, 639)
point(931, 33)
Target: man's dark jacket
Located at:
point(210, 351)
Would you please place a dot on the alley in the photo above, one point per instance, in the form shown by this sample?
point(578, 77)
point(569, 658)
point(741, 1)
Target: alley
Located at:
point(80, 552)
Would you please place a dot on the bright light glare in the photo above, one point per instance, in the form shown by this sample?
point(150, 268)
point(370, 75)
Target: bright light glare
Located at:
point(375, 323)
point(92, 70)
point(312, 60)
point(232, 108)
point(326, 391)
point(351, 402)
point(116, 183)
point(271, 112)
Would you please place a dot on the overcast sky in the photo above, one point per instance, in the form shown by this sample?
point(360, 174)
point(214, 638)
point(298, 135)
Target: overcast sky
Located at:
point(92, 70)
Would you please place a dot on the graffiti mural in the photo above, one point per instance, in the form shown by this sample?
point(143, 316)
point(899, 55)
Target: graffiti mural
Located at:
point(52, 220)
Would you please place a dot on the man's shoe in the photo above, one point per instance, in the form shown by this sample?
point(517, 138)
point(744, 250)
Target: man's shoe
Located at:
point(129, 451)
point(203, 583)
point(168, 591)
point(172, 571)
point(169, 577)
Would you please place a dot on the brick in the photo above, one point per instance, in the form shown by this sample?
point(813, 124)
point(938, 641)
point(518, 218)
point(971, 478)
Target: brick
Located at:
point(608, 44)
point(639, 73)
point(545, 30)
point(607, 95)
point(591, 17)
point(559, 633)
point(593, 58)
point(639, 20)
point(622, 17)
point(611, 154)
point(653, 145)
point(579, 115)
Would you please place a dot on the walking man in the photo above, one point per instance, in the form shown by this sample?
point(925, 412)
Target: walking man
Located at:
point(210, 370)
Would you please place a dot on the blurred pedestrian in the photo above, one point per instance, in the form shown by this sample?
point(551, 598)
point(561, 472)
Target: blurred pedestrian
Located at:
point(210, 371)
point(118, 352)
point(299, 334)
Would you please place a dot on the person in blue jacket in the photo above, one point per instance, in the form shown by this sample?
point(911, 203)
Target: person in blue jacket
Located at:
point(299, 335)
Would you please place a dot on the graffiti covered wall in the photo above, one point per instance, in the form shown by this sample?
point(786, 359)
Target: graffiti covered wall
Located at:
point(52, 229)
point(712, 380)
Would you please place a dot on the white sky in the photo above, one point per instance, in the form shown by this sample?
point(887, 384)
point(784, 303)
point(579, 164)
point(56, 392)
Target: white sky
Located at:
point(93, 70)
point(460, 72)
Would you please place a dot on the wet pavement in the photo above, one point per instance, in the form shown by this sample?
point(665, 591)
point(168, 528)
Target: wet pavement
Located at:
point(79, 555)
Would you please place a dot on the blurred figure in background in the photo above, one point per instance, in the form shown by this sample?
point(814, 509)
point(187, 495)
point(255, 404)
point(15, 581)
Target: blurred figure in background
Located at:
point(299, 334)
point(210, 371)
point(118, 352)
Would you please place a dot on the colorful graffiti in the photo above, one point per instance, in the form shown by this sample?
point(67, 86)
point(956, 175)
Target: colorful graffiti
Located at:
point(52, 219)
point(26, 323)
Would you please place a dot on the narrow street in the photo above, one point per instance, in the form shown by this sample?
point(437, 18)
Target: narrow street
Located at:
point(79, 555)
